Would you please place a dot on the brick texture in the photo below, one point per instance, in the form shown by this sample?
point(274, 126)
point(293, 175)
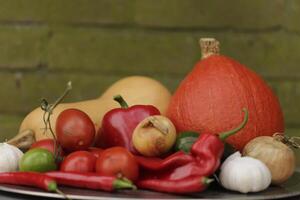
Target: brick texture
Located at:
point(289, 96)
point(67, 11)
point(200, 13)
point(292, 15)
point(9, 126)
point(91, 12)
point(123, 51)
point(23, 10)
point(173, 53)
point(22, 47)
point(269, 54)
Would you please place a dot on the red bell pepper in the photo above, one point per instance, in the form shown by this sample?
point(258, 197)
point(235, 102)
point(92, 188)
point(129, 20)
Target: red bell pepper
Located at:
point(119, 124)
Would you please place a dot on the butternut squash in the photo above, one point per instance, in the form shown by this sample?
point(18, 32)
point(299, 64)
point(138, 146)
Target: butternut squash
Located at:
point(135, 89)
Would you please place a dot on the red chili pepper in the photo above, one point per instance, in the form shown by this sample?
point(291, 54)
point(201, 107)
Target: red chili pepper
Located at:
point(203, 160)
point(209, 148)
point(90, 181)
point(119, 123)
point(177, 159)
point(184, 171)
point(182, 186)
point(33, 179)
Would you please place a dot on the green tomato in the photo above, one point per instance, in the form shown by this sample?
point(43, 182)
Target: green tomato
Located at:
point(37, 160)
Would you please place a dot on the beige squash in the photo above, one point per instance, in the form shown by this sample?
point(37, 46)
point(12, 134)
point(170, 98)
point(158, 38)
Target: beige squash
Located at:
point(134, 89)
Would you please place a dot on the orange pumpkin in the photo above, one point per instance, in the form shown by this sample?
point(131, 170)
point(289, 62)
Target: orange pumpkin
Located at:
point(213, 94)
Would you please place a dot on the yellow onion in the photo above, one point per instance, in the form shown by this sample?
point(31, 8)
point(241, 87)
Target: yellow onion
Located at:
point(278, 157)
point(154, 136)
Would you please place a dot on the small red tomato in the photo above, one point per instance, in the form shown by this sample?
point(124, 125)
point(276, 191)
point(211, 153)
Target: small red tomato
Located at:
point(95, 151)
point(47, 144)
point(79, 161)
point(118, 160)
point(75, 130)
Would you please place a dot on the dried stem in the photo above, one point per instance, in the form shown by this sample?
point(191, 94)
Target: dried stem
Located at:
point(209, 46)
point(158, 125)
point(291, 141)
point(48, 111)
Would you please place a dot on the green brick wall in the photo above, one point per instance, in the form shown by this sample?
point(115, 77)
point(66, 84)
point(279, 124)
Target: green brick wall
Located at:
point(45, 43)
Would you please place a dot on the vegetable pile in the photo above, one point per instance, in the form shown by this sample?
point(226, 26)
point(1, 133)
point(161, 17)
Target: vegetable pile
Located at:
point(138, 138)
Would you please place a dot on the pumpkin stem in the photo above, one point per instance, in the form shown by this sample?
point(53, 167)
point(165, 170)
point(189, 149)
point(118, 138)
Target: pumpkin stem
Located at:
point(226, 134)
point(209, 46)
point(118, 98)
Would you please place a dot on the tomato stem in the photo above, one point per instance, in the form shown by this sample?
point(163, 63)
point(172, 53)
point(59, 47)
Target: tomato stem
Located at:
point(48, 111)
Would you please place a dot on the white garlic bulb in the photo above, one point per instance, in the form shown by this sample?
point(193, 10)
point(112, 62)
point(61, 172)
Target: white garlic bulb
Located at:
point(244, 174)
point(9, 157)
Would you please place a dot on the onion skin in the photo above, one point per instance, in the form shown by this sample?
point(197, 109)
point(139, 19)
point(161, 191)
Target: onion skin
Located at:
point(154, 136)
point(278, 157)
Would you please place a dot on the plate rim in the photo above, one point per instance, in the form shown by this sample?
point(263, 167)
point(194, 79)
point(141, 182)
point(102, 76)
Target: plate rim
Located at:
point(9, 188)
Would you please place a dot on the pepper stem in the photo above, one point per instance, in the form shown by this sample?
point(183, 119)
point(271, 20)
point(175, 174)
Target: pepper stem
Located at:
point(52, 186)
point(123, 184)
point(118, 98)
point(226, 134)
point(58, 191)
point(206, 181)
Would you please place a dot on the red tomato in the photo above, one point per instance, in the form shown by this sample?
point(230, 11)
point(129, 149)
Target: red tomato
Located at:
point(118, 160)
point(47, 144)
point(79, 161)
point(75, 130)
point(95, 151)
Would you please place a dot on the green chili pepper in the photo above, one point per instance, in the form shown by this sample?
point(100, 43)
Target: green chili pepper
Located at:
point(185, 140)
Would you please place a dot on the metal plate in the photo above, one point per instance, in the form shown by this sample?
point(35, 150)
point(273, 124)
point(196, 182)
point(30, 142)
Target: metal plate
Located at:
point(289, 189)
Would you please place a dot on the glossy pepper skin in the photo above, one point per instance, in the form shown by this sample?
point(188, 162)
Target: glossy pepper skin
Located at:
point(183, 186)
point(90, 181)
point(203, 159)
point(33, 179)
point(177, 159)
point(207, 152)
point(118, 124)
